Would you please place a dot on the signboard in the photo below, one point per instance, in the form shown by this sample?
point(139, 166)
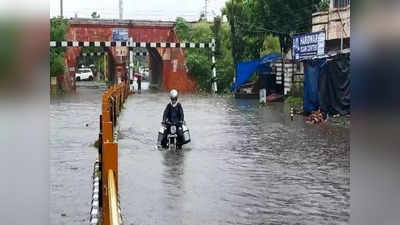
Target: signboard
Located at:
point(121, 51)
point(307, 46)
point(120, 34)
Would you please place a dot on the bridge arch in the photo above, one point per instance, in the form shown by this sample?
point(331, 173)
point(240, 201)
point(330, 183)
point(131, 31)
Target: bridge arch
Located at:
point(167, 65)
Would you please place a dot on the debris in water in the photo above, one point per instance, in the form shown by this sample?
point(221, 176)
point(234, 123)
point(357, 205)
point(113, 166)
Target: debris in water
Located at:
point(315, 117)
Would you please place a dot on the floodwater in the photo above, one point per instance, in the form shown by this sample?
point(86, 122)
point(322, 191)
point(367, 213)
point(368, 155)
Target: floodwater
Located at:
point(74, 127)
point(245, 164)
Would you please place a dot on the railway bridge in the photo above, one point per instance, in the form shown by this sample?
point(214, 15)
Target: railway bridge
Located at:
point(166, 63)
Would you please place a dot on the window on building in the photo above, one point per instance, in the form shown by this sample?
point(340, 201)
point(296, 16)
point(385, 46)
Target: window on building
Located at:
point(340, 3)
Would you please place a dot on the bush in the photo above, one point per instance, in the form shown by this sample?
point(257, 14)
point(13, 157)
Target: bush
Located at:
point(295, 102)
point(58, 28)
point(57, 65)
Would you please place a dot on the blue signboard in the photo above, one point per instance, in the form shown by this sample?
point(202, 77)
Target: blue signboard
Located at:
point(120, 34)
point(307, 46)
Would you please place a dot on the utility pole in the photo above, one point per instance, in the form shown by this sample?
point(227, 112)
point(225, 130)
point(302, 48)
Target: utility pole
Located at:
point(233, 31)
point(61, 9)
point(131, 65)
point(205, 10)
point(120, 10)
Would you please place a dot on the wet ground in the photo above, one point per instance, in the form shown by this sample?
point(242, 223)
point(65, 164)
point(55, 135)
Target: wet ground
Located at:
point(245, 164)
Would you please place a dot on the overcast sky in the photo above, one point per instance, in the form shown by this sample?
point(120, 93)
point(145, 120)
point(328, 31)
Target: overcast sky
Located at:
point(135, 9)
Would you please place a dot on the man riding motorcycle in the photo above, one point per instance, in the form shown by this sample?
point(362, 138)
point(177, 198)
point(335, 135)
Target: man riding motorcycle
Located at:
point(173, 114)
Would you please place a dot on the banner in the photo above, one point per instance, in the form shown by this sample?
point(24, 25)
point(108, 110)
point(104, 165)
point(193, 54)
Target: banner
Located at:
point(120, 34)
point(307, 46)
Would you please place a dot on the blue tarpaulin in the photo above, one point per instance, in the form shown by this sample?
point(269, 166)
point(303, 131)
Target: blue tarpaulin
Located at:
point(244, 70)
point(311, 88)
point(265, 62)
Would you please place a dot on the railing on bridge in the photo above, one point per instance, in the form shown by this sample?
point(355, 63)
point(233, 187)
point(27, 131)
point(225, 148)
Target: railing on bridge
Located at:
point(114, 212)
point(112, 102)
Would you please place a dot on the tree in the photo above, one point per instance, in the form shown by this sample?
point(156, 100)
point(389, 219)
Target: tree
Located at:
point(283, 18)
point(182, 29)
point(198, 61)
point(95, 15)
point(324, 5)
point(270, 45)
point(58, 27)
point(56, 64)
point(234, 12)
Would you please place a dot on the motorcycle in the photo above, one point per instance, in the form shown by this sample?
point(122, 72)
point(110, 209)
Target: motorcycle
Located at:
point(172, 142)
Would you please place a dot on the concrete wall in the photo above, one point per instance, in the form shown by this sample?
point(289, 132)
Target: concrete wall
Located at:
point(333, 22)
point(293, 73)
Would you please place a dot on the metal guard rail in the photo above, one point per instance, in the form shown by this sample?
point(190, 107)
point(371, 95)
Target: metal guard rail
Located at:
point(112, 101)
point(113, 200)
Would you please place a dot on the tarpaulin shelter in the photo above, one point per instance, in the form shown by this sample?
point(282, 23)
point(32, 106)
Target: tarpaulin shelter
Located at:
point(334, 86)
point(244, 70)
point(327, 85)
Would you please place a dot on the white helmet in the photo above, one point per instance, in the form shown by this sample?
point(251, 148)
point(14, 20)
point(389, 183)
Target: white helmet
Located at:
point(173, 95)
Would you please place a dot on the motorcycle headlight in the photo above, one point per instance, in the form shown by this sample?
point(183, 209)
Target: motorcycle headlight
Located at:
point(173, 129)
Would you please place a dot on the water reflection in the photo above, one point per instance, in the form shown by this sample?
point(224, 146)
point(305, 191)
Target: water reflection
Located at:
point(173, 179)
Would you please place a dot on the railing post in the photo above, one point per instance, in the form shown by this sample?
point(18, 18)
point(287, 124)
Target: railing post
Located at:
point(110, 162)
point(107, 133)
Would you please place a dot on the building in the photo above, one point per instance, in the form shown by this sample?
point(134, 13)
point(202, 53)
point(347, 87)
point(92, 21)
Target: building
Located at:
point(336, 23)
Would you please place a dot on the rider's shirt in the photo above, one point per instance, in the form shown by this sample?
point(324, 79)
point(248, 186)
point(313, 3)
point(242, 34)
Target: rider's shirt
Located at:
point(173, 114)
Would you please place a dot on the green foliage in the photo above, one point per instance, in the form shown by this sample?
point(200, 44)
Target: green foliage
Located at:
point(295, 102)
point(95, 15)
point(296, 89)
point(225, 65)
point(251, 21)
point(58, 27)
point(199, 65)
point(96, 144)
point(198, 61)
point(182, 29)
point(238, 17)
point(56, 64)
point(216, 29)
point(255, 28)
point(324, 5)
point(270, 45)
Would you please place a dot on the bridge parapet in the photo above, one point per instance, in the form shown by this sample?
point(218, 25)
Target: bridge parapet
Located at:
point(123, 23)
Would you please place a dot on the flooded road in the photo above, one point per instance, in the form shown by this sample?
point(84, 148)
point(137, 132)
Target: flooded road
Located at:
point(245, 164)
point(74, 127)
